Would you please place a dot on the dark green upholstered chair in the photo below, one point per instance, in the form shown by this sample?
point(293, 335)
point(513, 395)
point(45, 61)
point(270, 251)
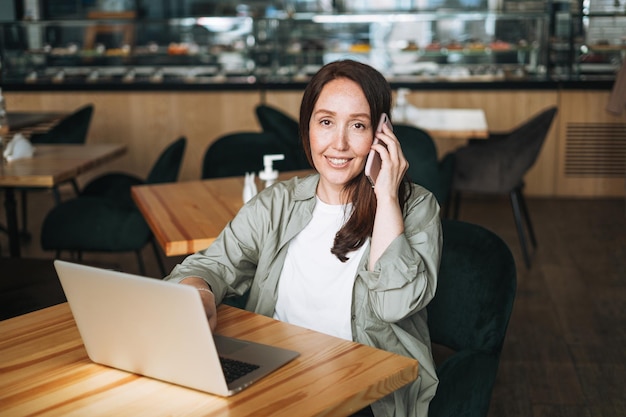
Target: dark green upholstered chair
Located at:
point(234, 154)
point(469, 316)
point(117, 185)
point(72, 129)
point(273, 120)
point(498, 165)
point(424, 167)
point(109, 221)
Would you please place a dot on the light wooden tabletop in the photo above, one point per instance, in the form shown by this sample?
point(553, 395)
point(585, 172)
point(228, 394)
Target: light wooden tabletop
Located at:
point(444, 123)
point(45, 371)
point(186, 217)
point(52, 164)
point(452, 123)
point(449, 128)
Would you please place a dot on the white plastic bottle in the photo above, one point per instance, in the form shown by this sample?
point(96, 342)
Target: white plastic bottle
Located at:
point(3, 113)
point(400, 112)
point(3, 126)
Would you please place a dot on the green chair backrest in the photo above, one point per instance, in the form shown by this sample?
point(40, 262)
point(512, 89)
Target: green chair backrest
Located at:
point(71, 129)
point(475, 289)
point(419, 149)
point(499, 165)
point(470, 314)
point(286, 130)
point(167, 166)
point(273, 120)
point(234, 154)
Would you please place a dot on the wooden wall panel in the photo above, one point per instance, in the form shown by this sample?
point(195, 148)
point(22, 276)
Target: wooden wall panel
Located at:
point(148, 121)
point(287, 101)
point(586, 108)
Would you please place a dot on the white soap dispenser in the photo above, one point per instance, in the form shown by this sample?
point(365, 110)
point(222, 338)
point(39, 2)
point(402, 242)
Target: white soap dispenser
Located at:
point(269, 174)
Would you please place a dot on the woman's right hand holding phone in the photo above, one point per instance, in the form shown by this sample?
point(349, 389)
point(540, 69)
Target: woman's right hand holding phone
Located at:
point(393, 164)
point(388, 221)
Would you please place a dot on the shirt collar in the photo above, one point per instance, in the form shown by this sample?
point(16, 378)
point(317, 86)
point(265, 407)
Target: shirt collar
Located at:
point(306, 187)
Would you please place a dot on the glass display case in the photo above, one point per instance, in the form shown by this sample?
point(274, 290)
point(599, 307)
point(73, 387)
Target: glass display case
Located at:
point(127, 51)
point(600, 45)
point(421, 46)
point(436, 46)
point(514, 41)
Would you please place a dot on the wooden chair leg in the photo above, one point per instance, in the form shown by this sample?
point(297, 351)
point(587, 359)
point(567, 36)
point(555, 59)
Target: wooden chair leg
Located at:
point(515, 204)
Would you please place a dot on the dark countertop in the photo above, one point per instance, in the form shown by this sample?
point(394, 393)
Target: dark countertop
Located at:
point(254, 84)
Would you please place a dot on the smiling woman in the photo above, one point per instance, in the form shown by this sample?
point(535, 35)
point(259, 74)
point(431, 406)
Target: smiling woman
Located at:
point(355, 95)
point(341, 134)
point(330, 252)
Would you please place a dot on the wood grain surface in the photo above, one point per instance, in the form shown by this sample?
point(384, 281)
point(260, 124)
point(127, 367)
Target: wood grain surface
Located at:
point(186, 217)
point(53, 164)
point(45, 371)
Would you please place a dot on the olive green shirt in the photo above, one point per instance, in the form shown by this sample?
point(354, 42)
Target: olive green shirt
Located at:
point(388, 302)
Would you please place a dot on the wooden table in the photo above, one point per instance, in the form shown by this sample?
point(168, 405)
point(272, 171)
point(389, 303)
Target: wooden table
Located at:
point(22, 119)
point(186, 217)
point(51, 165)
point(450, 128)
point(453, 123)
point(44, 371)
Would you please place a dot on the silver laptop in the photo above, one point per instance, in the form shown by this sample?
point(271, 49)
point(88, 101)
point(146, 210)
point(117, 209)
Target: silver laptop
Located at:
point(159, 329)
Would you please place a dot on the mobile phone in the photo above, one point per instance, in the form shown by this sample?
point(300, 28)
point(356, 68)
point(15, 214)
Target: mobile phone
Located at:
point(372, 165)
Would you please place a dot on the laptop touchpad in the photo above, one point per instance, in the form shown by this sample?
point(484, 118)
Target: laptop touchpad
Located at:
point(227, 346)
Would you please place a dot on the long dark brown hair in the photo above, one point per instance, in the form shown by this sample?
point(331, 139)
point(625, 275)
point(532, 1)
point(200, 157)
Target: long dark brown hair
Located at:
point(359, 191)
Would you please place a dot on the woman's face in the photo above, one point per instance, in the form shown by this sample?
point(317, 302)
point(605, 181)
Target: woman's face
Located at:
point(341, 135)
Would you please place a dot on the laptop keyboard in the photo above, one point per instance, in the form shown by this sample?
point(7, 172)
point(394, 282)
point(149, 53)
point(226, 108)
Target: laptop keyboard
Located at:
point(234, 369)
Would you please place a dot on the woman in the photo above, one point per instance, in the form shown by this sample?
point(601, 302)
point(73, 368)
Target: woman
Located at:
point(329, 251)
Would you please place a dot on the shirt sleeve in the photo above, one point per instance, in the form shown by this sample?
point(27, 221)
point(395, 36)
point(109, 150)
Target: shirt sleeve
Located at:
point(404, 278)
point(229, 264)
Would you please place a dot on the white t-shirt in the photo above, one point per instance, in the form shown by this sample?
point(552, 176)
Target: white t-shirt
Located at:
point(315, 288)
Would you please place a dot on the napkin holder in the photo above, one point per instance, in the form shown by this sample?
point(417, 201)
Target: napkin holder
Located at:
point(249, 187)
point(18, 148)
